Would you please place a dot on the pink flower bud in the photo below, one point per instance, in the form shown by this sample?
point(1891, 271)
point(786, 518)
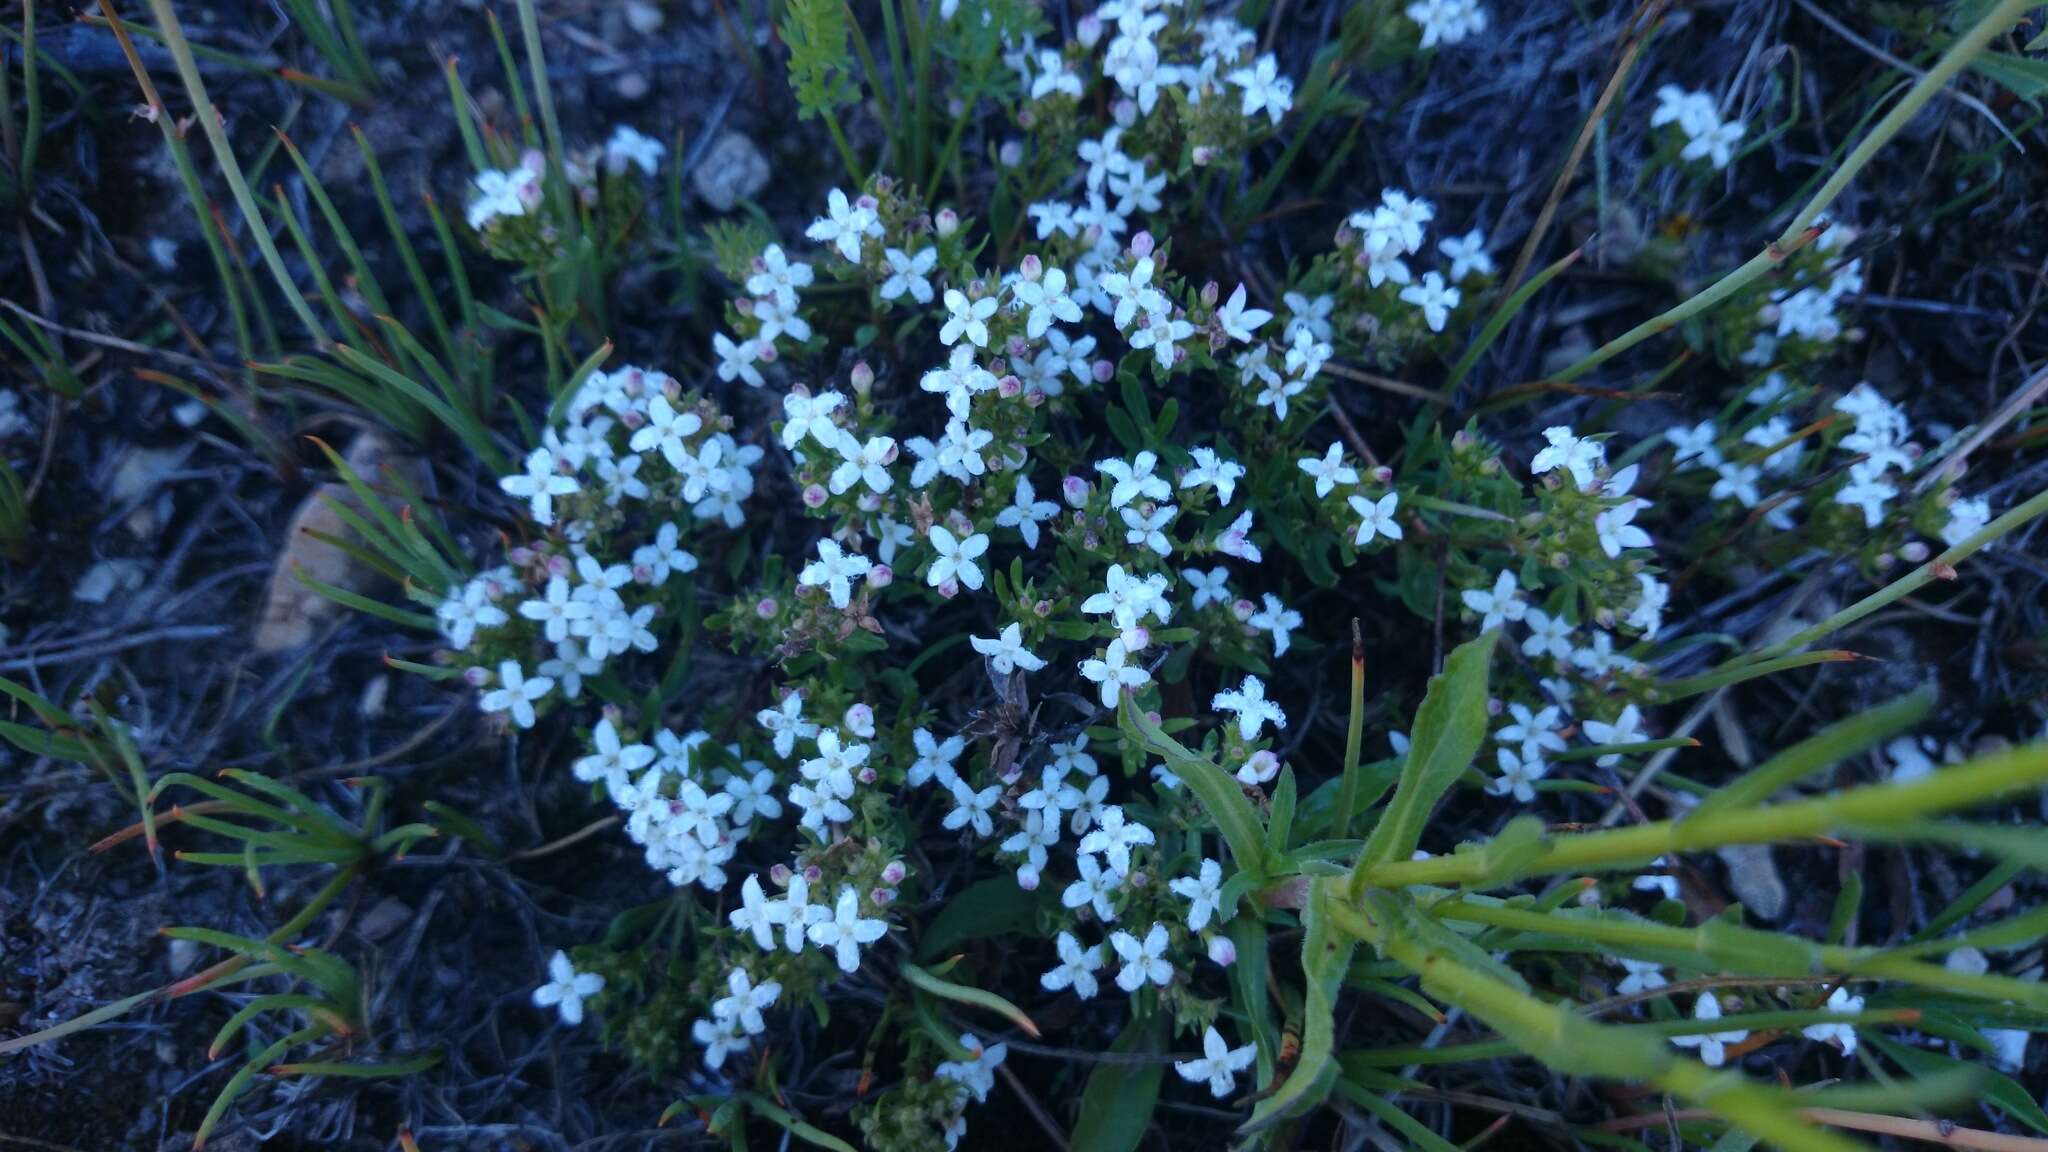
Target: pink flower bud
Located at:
point(815, 496)
point(476, 677)
point(1202, 155)
point(559, 566)
point(862, 377)
point(765, 352)
point(881, 576)
point(1009, 387)
point(1030, 269)
point(1043, 608)
point(1141, 244)
point(1010, 154)
point(1243, 609)
point(881, 897)
point(893, 873)
point(946, 222)
point(949, 589)
point(520, 556)
point(1088, 30)
point(1137, 638)
point(766, 607)
point(1074, 491)
point(743, 306)
point(1103, 371)
point(1124, 112)
point(780, 874)
point(1027, 879)
point(1383, 475)
point(861, 720)
point(1914, 552)
point(813, 873)
point(1222, 952)
point(865, 775)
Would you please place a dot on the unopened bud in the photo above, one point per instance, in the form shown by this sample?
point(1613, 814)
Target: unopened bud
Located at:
point(881, 576)
point(893, 872)
point(862, 377)
point(1202, 155)
point(1221, 951)
point(766, 607)
point(1030, 268)
point(1011, 153)
point(946, 223)
point(815, 496)
point(1142, 244)
point(1074, 491)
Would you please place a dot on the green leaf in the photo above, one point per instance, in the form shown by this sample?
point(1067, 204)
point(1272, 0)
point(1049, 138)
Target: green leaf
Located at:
point(965, 994)
point(2024, 78)
point(816, 1137)
point(1216, 789)
point(1281, 824)
point(1116, 1106)
point(1326, 950)
point(991, 908)
point(1995, 1088)
point(1448, 730)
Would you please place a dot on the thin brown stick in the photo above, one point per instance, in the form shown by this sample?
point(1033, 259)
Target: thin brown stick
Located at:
point(114, 342)
point(1384, 383)
point(1037, 1110)
point(573, 838)
point(1641, 25)
point(2007, 412)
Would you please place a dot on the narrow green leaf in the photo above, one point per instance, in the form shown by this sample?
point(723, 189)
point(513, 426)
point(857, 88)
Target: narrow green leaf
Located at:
point(1831, 745)
point(1117, 1104)
point(1218, 791)
point(965, 994)
point(1449, 728)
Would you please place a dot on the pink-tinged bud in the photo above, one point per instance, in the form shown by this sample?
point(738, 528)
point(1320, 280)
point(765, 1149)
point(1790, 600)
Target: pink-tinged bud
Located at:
point(881, 576)
point(1209, 294)
point(1222, 952)
point(1030, 268)
point(1886, 561)
point(765, 352)
point(1124, 112)
point(862, 377)
point(560, 566)
point(1914, 552)
point(865, 776)
point(1009, 387)
point(1383, 475)
point(1264, 765)
point(882, 897)
point(643, 574)
point(1462, 441)
point(743, 306)
point(1027, 879)
point(946, 223)
point(1074, 491)
point(1243, 609)
point(476, 677)
point(521, 556)
point(949, 589)
point(1141, 879)
point(868, 202)
point(869, 502)
point(861, 720)
point(1043, 608)
point(813, 873)
point(1010, 154)
point(1768, 315)
point(1137, 638)
point(1142, 244)
point(815, 496)
point(893, 873)
point(1103, 371)
point(1494, 707)
point(1018, 348)
point(780, 875)
point(1088, 30)
point(1034, 396)
point(766, 607)
point(1027, 119)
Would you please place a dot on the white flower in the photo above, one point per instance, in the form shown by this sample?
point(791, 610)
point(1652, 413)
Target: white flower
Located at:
point(1054, 76)
point(1693, 112)
point(1518, 775)
point(1203, 892)
point(1966, 518)
point(1113, 673)
point(1377, 518)
point(614, 761)
point(1533, 731)
point(775, 320)
point(1276, 618)
point(1140, 74)
point(845, 931)
point(736, 361)
point(1143, 962)
point(956, 557)
point(556, 610)
point(844, 225)
point(862, 462)
point(835, 570)
point(662, 557)
point(1073, 756)
point(1643, 976)
point(1264, 89)
point(1132, 293)
point(1148, 529)
point(1219, 1065)
point(1504, 602)
point(1026, 512)
point(834, 766)
point(1239, 322)
point(1114, 837)
point(1868, 493)
point(1095, 888)
point(1248, 702)
point(747, 1000)
point(1209, 469)
point(978, 1076)
point(1103, 157)
point(1212, 587)
point(1044, 301)
point(1713, 1046)
point(1076, 968)
point(1447, 21)
point(1737, 481)
point(966, 318)
point(1615, 531)
point(1328, 470)
point(1006, 652)
point(720, 1038)
point(1716, 143)
point(779, 277)
point(1306, 355)
point(1547, 634)
point(1570, 453)
point(1665, 886)
point(909, 274)
point(515, 693)
point(958, 381)
point(502, 194)
point(935, 758)
point(1467, 254)
point(567, 988)
point(971, 808)
point(627, 146)
point(786, 721)
point(810, 417)
point(539, 485)
point(1648, 614)
point(756, 914)
point(1434, 298)
point(1161, 331)
point(1626, 729)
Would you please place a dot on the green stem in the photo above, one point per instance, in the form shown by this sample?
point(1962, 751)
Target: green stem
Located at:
point(230, 168)
point(1354, 736)
point(1804, 225)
